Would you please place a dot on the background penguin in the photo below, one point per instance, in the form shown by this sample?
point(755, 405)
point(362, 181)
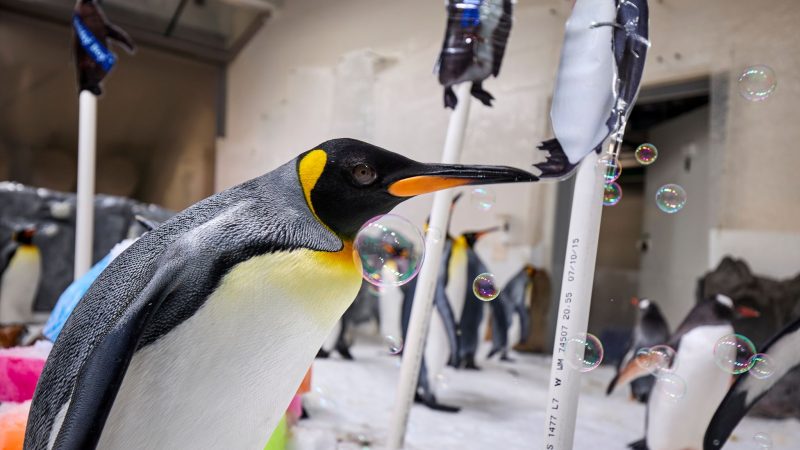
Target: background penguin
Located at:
point(474, 44)
point(650, 329)
point(516, 298)
point(20, 277)
point(597, 83)
point(501, 322)
point(199, 333)
point(706, 384)
point(90, 71)
point(441, 343)
point(472, 312)
point(362, 309)
point(748, 390)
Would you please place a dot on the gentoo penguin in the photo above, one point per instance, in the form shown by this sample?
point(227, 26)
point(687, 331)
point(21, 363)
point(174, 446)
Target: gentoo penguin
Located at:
point(441, 343)
point(748, 389)
point(602, 61)
point(706, 384)
point(93, 59)
point(649, 330)
point(474, 44)
point(198, 335)
point(19, 282)
point(472, 312)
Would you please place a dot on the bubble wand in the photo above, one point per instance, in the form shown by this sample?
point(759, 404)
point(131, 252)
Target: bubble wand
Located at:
point(93, 61)
point(595, 92)
point(473, 50)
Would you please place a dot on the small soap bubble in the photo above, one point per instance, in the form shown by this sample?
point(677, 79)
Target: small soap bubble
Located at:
point(435, 234)
point(762, 366)
point(484, 287)
point(390, 250)
point(584, 352)
point(656, 360)
point(482, 198)
point(734, 353)
point(670, 198)
point(763, 441)
point(757, 83)
point(612, 169)
point(672, 386)
point(612, 194)
point(394, 343)
point(646, 154)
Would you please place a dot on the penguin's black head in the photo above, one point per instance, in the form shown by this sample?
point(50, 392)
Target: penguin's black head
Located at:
point(24, 236)
point(472, 237)
point(346, 182)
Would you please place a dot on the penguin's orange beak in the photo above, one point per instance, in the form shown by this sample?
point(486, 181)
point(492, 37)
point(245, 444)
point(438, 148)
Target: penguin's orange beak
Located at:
point(427, 178)
point(634, 301)
point(747, 312)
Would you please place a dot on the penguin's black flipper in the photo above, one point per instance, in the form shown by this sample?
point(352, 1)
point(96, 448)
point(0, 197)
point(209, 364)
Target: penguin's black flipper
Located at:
point(6, 254)
point(557, 164)
point(120, 36)
point(481, 94)
point(450, 98)
point(146, 223)
point(748, 390)
point(323, 354)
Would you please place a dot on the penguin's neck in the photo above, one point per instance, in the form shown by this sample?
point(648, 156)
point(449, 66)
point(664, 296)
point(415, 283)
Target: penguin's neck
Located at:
point(225, 376)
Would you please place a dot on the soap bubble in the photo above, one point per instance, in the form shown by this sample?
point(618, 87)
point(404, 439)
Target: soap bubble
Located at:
point(612, 169)
point(584, 352)
point(763, 441)
point(482, 198)
point(657, 360)
point(395, 344)
point(757, 83)
point(762, 366)
point(485, 287)
point(646, 154)
point(670, 198)
point(734, 353)
point(671, 385)
point(612, 194)
point(390, 250)
point(435, 234)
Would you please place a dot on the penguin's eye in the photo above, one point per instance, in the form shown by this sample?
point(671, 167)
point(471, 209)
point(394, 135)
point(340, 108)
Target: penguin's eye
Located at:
point(364, 174)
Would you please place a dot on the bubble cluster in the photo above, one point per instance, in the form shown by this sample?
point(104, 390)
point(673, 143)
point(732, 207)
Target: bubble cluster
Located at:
point(584, 352)
point(762, 366)
point(670, 198)
point(482, 198)
point(734, 353)
point(671, 385)
point(612, 169)
point(390, 250)
point(485, 287)
point(394, 343)
point(757, 83)
point(646, 154)
point(612, 194)
point(657, 360)
point(763, 441)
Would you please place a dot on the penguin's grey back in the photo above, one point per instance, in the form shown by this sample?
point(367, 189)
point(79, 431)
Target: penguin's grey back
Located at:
point(264, 215)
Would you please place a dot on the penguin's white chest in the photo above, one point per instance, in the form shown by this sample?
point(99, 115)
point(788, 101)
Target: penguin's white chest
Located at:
point(680, 424)
point(224, 377)
point(19, 284)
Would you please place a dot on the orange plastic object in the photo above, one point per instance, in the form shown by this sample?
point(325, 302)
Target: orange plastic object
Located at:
point(13, 418)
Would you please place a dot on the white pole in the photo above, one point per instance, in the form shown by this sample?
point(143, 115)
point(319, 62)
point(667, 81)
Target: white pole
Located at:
point(84, 216)
point(423, 297)
point(574, 304)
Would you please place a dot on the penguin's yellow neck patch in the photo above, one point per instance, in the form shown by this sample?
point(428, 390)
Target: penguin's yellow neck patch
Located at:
point(309, 170)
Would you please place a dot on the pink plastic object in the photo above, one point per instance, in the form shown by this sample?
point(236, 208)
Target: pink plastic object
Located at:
point(295, 409)
point(20, 368)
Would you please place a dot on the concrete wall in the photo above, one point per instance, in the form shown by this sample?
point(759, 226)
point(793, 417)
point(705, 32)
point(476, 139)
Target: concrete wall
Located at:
point(322, 69)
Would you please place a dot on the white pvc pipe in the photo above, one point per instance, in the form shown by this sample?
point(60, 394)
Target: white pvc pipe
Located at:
point(574, 303)
point(84, 215)
point(422, 308)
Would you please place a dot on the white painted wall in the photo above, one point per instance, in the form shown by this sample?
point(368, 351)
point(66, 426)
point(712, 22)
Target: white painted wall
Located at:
point(322, 69)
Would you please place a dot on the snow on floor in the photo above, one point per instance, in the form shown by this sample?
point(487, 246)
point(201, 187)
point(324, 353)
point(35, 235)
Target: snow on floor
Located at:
point(503, 408)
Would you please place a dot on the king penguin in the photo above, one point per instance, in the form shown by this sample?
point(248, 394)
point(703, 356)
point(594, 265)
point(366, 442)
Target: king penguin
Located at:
point(748, 389)
point(198, 335)
point(441, 343)
point(20, 276)
point(681, 424)
point(650, 329)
